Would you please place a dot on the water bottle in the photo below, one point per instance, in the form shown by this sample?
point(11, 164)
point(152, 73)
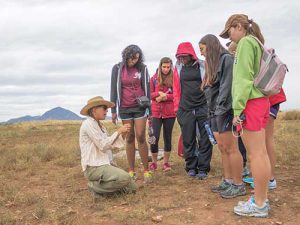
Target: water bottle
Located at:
point(210, 134)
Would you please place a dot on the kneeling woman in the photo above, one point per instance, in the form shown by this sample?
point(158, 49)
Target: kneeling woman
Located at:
point(96, 155)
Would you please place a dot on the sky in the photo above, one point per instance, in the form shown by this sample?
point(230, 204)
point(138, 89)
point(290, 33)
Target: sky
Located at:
point(61, 52)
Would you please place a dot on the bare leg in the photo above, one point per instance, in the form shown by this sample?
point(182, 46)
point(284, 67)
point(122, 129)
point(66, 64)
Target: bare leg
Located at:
point(140, 132)
point(154, 157)
point(225, 159)
point(230, 144)
point(270, 144)
point(166, 156)
point(259, 163)
point(130, 145)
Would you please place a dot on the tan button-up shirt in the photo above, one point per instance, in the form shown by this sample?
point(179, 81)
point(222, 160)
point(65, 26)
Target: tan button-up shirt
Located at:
point(96, 145)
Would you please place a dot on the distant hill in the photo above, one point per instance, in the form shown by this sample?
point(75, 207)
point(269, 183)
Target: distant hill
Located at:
point(57, 113)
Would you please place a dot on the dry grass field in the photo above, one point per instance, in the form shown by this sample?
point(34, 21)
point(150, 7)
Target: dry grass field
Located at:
point(41, 182)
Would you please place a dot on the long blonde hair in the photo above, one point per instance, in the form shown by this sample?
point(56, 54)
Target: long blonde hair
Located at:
point(166, 80)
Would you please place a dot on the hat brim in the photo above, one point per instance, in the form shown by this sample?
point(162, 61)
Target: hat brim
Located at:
point(85, 109)
point(224, 33)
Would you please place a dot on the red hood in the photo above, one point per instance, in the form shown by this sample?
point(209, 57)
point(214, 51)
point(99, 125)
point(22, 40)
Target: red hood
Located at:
point(186, 48)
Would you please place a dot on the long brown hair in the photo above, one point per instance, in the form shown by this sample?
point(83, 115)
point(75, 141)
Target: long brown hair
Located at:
point(248, 24)
point(214, 50)
point(166, 80)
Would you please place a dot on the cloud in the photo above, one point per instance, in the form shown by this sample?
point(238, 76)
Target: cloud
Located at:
point(60, 52)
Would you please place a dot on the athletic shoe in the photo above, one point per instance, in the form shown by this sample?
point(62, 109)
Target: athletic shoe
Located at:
point(166, 167)
point(201, 175)
point(241, 203)
point(221, 187)
point(153, 166)
point(251, 209)
point(132, 174)
point(234, 191)
point(272, 185)
point(191, 173)
point(147, 177)
point(248, 180)
point(246, 171)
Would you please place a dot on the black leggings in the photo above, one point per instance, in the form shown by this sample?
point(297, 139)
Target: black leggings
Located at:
point(168, 124)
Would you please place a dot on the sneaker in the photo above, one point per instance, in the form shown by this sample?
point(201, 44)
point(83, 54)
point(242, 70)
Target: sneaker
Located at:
point(221, 187)
point(132, 174)
point(248, 180)
point(272, 185)
point(153, 166)
point(234, 191)
point(166, 167)
point(241, 203)
point(251, 209)
point(147, 177)
point(201, 175)
point(191, 173)
point(246, 171)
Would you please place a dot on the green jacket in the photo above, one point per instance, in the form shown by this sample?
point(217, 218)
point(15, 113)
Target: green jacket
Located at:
point(246, 67)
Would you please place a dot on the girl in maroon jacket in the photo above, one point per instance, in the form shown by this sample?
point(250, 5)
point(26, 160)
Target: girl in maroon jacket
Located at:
point(161, 86)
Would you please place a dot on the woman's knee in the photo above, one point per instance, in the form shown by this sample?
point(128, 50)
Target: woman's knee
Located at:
point(130, 138)
point(141, 139)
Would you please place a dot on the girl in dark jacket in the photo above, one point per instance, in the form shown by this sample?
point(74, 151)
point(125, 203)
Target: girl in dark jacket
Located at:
point(217, 88)
point(161, 86)
point(129, 80)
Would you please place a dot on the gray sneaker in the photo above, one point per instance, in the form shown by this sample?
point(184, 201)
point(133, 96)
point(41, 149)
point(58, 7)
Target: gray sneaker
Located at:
point(251, 209)
point(221, 187)
point(233, 191)
point(241, 203)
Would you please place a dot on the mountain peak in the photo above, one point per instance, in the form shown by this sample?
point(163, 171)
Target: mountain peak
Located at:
point(57, 113)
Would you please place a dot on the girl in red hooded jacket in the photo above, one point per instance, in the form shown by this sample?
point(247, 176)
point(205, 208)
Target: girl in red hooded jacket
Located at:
point(161, 86)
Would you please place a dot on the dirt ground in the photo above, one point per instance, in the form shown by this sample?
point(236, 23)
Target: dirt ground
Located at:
point(173, 198)
point(53, 190)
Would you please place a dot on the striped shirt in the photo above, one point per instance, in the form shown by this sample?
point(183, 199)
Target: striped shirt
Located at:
point(96, 145)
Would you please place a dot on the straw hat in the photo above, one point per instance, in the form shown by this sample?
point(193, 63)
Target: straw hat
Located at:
point(96, 101)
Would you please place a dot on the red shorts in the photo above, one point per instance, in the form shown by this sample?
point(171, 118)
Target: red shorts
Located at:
point(257, 114)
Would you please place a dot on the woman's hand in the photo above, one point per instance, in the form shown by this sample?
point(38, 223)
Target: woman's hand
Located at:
point(124, 129)
point(236, 120)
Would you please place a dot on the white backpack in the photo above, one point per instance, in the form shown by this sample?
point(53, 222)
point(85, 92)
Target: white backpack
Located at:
point(272, 71)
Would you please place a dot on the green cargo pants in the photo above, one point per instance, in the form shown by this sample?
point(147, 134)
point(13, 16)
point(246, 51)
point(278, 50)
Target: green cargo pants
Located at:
point(108, 179)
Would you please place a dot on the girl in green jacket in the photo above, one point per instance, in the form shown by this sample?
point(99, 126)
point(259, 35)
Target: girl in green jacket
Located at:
point(250, 109)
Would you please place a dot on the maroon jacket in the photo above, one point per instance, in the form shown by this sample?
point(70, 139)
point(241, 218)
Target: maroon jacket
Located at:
point(164, 109)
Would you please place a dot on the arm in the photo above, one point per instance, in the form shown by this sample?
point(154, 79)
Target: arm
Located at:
point(243, 76)
point(99, 138)
point(176, 90)
point(113, 87)
point(154, 93)
point(225, 82)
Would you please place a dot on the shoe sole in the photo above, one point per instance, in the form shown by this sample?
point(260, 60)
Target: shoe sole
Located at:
point(251, 214)
point(233, 196)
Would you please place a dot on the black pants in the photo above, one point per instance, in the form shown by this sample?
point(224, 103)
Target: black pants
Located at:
point(197, 154)
point(167, 124)
point(243, 151)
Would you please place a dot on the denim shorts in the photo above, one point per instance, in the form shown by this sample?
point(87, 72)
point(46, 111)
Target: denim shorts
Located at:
point(274, 111)
point(221, 123)
point(133, 113)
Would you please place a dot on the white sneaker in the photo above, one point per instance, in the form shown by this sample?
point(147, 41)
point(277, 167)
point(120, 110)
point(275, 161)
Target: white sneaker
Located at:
point(272, 184)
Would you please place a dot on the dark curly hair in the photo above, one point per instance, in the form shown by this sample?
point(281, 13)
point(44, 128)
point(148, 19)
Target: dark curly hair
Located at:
point(129, 52)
